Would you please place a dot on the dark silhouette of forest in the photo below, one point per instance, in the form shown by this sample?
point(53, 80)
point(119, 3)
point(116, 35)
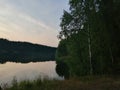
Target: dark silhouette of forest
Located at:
point(89, 39)
point(25, 52)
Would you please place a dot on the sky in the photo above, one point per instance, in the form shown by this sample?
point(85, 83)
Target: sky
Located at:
point(35, 21)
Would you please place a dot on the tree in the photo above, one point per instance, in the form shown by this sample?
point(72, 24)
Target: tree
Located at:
point(89, 37)
point(111, 16)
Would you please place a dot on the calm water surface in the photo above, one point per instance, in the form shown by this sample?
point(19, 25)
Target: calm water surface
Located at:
point(29, 71)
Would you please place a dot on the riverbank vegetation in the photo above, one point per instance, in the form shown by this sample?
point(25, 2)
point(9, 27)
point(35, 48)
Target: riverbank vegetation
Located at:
point(81, 83)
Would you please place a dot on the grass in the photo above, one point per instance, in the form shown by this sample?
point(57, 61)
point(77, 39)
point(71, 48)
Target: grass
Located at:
point(82, 83)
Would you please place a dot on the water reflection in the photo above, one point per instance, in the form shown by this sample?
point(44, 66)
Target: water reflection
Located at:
point(27, 71)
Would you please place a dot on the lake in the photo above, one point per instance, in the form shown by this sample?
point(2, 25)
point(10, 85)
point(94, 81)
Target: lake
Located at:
point(30, 71)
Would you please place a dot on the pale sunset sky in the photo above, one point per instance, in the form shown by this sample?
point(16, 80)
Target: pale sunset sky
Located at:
point(35, 21)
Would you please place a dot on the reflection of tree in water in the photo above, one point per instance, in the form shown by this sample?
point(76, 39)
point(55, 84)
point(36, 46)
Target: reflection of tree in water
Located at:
point(0, 88)
point(62, 69)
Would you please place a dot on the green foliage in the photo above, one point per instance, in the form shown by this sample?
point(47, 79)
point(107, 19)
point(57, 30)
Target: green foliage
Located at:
point(90, 37)
point(82, 83)
point(111, 16)
point(62, 69)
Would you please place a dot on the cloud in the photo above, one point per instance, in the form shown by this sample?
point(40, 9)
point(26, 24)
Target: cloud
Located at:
point(35, 21)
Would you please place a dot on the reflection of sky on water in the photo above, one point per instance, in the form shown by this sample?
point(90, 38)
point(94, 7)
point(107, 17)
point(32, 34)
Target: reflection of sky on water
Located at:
point(26, 71)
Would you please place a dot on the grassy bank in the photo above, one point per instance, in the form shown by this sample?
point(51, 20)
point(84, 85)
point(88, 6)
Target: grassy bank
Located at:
point(83, 83)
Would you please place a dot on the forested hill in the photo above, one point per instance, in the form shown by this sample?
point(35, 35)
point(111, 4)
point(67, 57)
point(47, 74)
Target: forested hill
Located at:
point(25, 52)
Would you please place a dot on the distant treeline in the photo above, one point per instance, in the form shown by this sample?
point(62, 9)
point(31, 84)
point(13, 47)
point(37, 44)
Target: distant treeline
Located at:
point(25, 52)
